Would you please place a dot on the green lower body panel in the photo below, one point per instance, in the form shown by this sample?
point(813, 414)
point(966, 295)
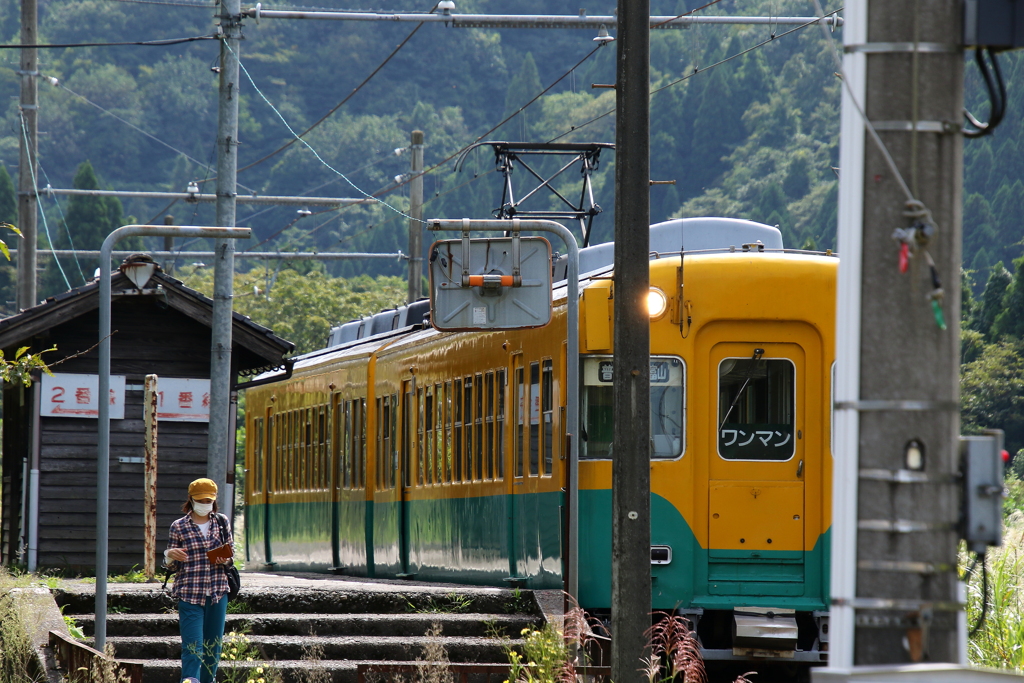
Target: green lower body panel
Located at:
point(696, 577)
point(480, 540)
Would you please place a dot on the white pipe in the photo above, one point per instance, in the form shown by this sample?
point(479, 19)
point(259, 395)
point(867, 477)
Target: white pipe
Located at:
point(193, 197)
point(33, 484)
point(533, 20)
point(257, 255)
point(848, 323)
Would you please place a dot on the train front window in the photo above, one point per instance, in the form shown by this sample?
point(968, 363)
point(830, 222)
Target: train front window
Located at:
point(756, 405)
point(668, 410)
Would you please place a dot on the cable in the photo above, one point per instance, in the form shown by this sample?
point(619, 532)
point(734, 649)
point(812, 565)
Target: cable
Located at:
point(339, 104)
point(308, 146)
point(39, 203)
point(206, 5)
point(54, 81)
point(64, 220)
point(996, 96)
point(980, 557)
point(149, 43)
point(686, 14)
point(696, 71)
point(924, 223)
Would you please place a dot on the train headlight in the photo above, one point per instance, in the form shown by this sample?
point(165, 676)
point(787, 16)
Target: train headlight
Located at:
point(657, 303)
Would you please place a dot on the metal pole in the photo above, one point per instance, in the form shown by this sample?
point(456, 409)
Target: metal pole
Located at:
point(255, 255)
point(534, 20)
point(192, 197)
point(221, 432)
point(168, 245)
point(898, 371)
point(572, 352)
point(631, 466)
point(416, 218)
point(149, 408)
point(28, 133)
point(103, 423)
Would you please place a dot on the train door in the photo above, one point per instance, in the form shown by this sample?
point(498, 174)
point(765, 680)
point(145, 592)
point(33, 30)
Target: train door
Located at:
point(339, 459)
point(406, 464)
point(268, 467)
point(757, 469)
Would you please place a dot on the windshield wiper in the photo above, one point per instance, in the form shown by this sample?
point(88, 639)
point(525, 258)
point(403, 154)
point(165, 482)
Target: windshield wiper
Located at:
point(756, 357)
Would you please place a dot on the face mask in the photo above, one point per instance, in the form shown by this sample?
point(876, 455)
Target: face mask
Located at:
point(202, 509)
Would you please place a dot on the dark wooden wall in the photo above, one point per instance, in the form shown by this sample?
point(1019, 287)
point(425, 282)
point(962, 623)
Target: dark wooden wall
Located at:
point(149, 338)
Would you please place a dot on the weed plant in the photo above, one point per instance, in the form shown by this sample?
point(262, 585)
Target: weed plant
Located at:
point(452, 603)
point(238, 647)
point(16, 651)
point(434, 666)
point(999, 642)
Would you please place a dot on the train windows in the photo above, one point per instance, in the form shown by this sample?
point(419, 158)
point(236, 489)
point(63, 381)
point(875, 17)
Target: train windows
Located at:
point(420, 440)
point(547, 413)
point(534, 404)
point(489, 423)
point(257, 451)
point(428, 429)
point(668, 408)
point(406, 444)
point(343, 437)
point(393, 437)
point(359, 432)
point(499, 425)
point(325, 442)
point(447, 422)
point(456, 401)
point(520, 408)
point(381, 443)
point(467, 419)
point(755, 408)
point(478, 428)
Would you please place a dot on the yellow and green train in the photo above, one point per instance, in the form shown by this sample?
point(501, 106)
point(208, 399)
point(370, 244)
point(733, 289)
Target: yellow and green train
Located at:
point(403, 451)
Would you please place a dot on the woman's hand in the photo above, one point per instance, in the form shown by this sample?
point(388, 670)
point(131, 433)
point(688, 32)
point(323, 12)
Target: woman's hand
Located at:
point(177, 554)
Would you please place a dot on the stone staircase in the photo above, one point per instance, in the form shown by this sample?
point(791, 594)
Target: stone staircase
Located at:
point(316, 630)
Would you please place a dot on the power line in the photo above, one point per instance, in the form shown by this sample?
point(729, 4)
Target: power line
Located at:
point(340, 104)
point(697, 70)
point(131, 125)
point(148, 43)
point(206, 5)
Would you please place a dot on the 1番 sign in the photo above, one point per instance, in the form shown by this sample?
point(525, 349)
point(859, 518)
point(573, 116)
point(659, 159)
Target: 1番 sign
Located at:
point(183, 400)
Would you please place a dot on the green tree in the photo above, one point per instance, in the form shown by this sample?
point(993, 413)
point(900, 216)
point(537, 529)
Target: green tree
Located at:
point(302, 307)
point(8, 214)
point(523, 87)
point(992, 392)
point(1010, 320)
point(87, 222)
point(999, 280)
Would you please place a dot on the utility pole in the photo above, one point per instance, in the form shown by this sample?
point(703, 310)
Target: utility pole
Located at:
point(28, 144)
point(416, 218)
point(224, 260)
point(894, 576)
point(631, 466)
point(169, 245)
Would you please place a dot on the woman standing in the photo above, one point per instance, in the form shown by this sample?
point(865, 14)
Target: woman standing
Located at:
point(200, 585)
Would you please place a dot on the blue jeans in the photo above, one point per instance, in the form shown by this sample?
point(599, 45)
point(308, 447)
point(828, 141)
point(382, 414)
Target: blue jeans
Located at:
point(202, 633)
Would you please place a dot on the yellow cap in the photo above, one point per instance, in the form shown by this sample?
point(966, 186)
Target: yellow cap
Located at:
point(202, 488)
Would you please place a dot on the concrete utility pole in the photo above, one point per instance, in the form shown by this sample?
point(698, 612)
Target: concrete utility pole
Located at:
point(224, 261)
point(416, 222)
point(631, 465)
point(894, 578)
point(28, 143)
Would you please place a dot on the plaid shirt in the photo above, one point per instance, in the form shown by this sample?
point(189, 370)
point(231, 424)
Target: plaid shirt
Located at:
point(196, 578)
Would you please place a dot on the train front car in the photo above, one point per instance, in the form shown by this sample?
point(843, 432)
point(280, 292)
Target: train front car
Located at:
point(741, 372)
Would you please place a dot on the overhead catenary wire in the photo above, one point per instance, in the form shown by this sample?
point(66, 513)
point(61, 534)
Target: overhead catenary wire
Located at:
point(57, 83)
point(147, 43)
point(39, 203)
point(698, 70)
point(64, 221)
point(340, 104)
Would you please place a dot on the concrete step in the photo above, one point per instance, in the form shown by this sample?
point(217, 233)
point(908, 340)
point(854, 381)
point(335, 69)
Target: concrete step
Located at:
point(386, 648)
point(415, 624)
point(169, 670)
point(346, 598)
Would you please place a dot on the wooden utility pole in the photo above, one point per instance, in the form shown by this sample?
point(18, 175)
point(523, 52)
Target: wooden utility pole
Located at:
point(894, 579)
point(631, 464)
point(28, 129)
point(416, 218)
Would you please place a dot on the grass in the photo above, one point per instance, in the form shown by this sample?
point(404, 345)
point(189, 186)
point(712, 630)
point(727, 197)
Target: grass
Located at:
point(999, 642)
point(238, 607)
point(452, 603)
point(17, 656)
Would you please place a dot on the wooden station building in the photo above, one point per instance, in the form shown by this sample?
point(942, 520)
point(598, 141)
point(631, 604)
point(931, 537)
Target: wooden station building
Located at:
point(50, 428)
